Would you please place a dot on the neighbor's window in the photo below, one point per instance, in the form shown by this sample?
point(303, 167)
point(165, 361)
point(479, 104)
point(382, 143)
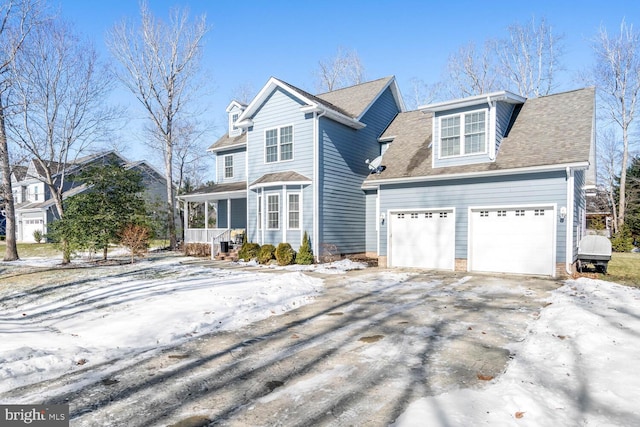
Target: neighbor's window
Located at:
point(273, 211)
point(294, 211)
point(472, 126)
point(228, 166)
point(278, 144)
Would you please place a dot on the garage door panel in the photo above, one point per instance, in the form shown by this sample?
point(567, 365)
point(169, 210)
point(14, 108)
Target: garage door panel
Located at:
point(514, 240)
point(423, 239)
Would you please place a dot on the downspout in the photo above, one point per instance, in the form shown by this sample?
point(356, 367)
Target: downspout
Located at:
point(569, 222)
point(316, 183)
point(492, 130)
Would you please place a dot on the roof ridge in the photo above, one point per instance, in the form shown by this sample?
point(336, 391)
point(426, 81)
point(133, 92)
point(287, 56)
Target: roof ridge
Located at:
point(356, 85)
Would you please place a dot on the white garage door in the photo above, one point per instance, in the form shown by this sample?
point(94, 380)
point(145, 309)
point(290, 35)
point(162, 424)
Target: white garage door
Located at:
point(424, 239)
point(513, 240)
point(29, 225)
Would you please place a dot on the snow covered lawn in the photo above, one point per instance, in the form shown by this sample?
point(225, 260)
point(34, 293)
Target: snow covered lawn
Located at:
point(120, 312)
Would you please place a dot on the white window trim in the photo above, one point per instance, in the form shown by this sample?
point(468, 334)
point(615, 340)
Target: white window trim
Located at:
point(299, 194)
point(259, 212)
point(462, 134)
point(224, 166)
point(266, 220)
point(233, 130)
point(278, 145)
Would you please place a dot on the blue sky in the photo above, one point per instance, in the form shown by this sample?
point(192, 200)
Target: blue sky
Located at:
point(253, 40)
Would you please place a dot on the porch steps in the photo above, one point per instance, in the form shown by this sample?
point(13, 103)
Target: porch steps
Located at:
point(232, 255)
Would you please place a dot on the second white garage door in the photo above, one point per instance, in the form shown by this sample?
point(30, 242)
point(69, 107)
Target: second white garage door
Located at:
point(423, 239)
point(513, 240)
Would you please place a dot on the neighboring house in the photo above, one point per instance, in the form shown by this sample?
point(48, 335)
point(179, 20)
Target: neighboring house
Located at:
point(492, 183)
point(35, 207)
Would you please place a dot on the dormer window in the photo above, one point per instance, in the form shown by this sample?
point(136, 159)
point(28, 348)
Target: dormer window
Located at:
point(233, 129)
point(463, 134)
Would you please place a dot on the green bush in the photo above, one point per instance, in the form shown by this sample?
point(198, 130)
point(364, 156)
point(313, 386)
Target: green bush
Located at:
point(622, 241)
point(305, 254)
point(37, 236)
point(285, 255)
point(249, 251)
point(267, 253)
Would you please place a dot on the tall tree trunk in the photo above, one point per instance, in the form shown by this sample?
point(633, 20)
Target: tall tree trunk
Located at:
point(171, 210)
point(11, 251)
point(623, 177)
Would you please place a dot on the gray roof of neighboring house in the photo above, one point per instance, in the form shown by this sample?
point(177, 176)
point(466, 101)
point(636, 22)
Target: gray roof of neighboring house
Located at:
point(550, 130)
point(288, 176)
point(20, 172)
point(353, 100)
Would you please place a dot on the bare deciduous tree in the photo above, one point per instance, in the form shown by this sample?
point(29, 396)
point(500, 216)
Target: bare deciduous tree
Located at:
point(342, 70)
point(59, 90)
point(530, 57)
point(17, 18)
point(472, 72)
point(617, 76)
point(423, 93)
point(609, 161)
point(159, 62)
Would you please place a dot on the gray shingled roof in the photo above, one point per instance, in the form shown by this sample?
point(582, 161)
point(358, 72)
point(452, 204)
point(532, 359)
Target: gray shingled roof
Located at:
point(287, 176)
point(220, 188)
point(353, 100)
point(226, 141)
point(550, 130)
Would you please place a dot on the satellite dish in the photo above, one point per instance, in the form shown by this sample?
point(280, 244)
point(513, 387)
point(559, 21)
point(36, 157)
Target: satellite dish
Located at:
point(375, 165)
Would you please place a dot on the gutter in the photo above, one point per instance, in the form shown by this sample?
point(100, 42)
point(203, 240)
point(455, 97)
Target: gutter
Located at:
point(373, 184)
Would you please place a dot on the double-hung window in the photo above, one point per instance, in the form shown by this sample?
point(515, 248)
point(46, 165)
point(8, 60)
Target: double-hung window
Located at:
point(259, 209)
point(294, 211)
point(273, 211)
point(228, 166)
point(278, 143)
point(463, 134)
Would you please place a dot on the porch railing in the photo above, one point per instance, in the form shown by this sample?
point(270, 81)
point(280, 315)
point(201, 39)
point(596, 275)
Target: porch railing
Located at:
point(202, 235)
point(225, 236)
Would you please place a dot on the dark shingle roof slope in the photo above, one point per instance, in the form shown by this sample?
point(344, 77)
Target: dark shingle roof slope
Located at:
point(354, 100)
point(550, 130)
point(287, 176)
point(219, 188)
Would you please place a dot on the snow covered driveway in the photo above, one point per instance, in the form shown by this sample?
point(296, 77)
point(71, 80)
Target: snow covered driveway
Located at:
point(164, 343)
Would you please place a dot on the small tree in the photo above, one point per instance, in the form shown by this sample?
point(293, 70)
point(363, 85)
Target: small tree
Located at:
point(94, 218)
point(135, 237)
point(305, 254)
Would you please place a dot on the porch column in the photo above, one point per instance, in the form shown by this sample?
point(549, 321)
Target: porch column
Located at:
point(186, 219)
point(206, 216)
point(229, 213)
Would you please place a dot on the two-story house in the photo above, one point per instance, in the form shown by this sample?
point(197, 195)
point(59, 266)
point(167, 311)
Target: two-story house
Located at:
point(293, 162)
point(493, 183)
point(35, 206)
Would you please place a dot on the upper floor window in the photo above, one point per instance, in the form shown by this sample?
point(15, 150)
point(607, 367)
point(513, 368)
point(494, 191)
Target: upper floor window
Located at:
point(228, 166)
point(278, 144)
point(463, 134)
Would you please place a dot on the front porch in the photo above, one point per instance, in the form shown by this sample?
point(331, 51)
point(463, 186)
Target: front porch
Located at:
point(216, 215)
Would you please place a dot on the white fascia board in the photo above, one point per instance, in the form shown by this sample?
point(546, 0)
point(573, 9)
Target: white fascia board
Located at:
point(277, 184)
point(519, 171)
point(234, 103)
point(396, 95)
point(503, 96)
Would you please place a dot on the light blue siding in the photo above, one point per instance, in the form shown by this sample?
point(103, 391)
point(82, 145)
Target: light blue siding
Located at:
point(526, 189)
point(280, 109)
point(239, 165)
point(504, 112)
point(343, 153)
point(371, 222)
